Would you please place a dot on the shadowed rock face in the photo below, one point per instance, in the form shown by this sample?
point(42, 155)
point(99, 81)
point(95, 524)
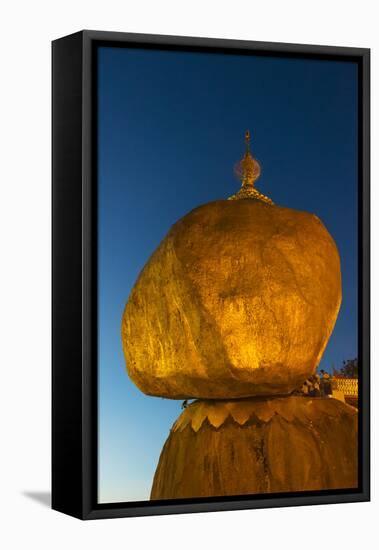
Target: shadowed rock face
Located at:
point(259, 446)
point(239, 300)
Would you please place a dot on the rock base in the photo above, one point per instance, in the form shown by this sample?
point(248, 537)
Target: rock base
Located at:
point(256, 446)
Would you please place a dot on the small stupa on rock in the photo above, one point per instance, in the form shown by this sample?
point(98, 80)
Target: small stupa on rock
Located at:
point(248, 171)
point(235, 308)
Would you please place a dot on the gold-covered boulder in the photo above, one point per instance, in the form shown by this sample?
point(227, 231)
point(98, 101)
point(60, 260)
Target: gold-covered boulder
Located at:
point(238, 300)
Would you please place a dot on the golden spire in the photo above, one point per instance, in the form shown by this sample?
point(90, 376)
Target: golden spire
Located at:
point(248, 171)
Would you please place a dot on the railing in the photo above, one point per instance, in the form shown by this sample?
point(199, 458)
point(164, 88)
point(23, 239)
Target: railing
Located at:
point(348, 386)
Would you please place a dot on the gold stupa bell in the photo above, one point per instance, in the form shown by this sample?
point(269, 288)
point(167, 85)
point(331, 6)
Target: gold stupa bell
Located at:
point(248, 171)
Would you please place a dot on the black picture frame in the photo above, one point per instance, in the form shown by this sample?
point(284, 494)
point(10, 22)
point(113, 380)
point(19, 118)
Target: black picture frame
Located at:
point(74, 294)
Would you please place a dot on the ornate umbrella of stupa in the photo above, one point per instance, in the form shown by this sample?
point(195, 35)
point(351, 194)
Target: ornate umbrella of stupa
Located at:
point(234, 309)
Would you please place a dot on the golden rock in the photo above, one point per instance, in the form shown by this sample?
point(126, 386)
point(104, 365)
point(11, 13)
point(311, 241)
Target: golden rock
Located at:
point(239, 300)
point(287, 444)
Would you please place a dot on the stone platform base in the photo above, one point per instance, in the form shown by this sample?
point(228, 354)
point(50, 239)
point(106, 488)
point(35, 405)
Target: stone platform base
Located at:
point(256, 445)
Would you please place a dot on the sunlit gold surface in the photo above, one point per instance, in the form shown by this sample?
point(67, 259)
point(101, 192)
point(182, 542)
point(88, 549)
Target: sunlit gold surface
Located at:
point(290, 444)
point(238, 300)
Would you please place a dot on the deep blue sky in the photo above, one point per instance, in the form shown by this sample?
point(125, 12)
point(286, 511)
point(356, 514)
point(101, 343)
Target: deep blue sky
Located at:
point(171, 127)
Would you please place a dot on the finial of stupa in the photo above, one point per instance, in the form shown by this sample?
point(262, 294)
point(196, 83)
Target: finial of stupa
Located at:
point(248, 171)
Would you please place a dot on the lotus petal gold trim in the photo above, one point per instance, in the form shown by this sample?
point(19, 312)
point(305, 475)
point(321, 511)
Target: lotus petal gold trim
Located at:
point(241, 411)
